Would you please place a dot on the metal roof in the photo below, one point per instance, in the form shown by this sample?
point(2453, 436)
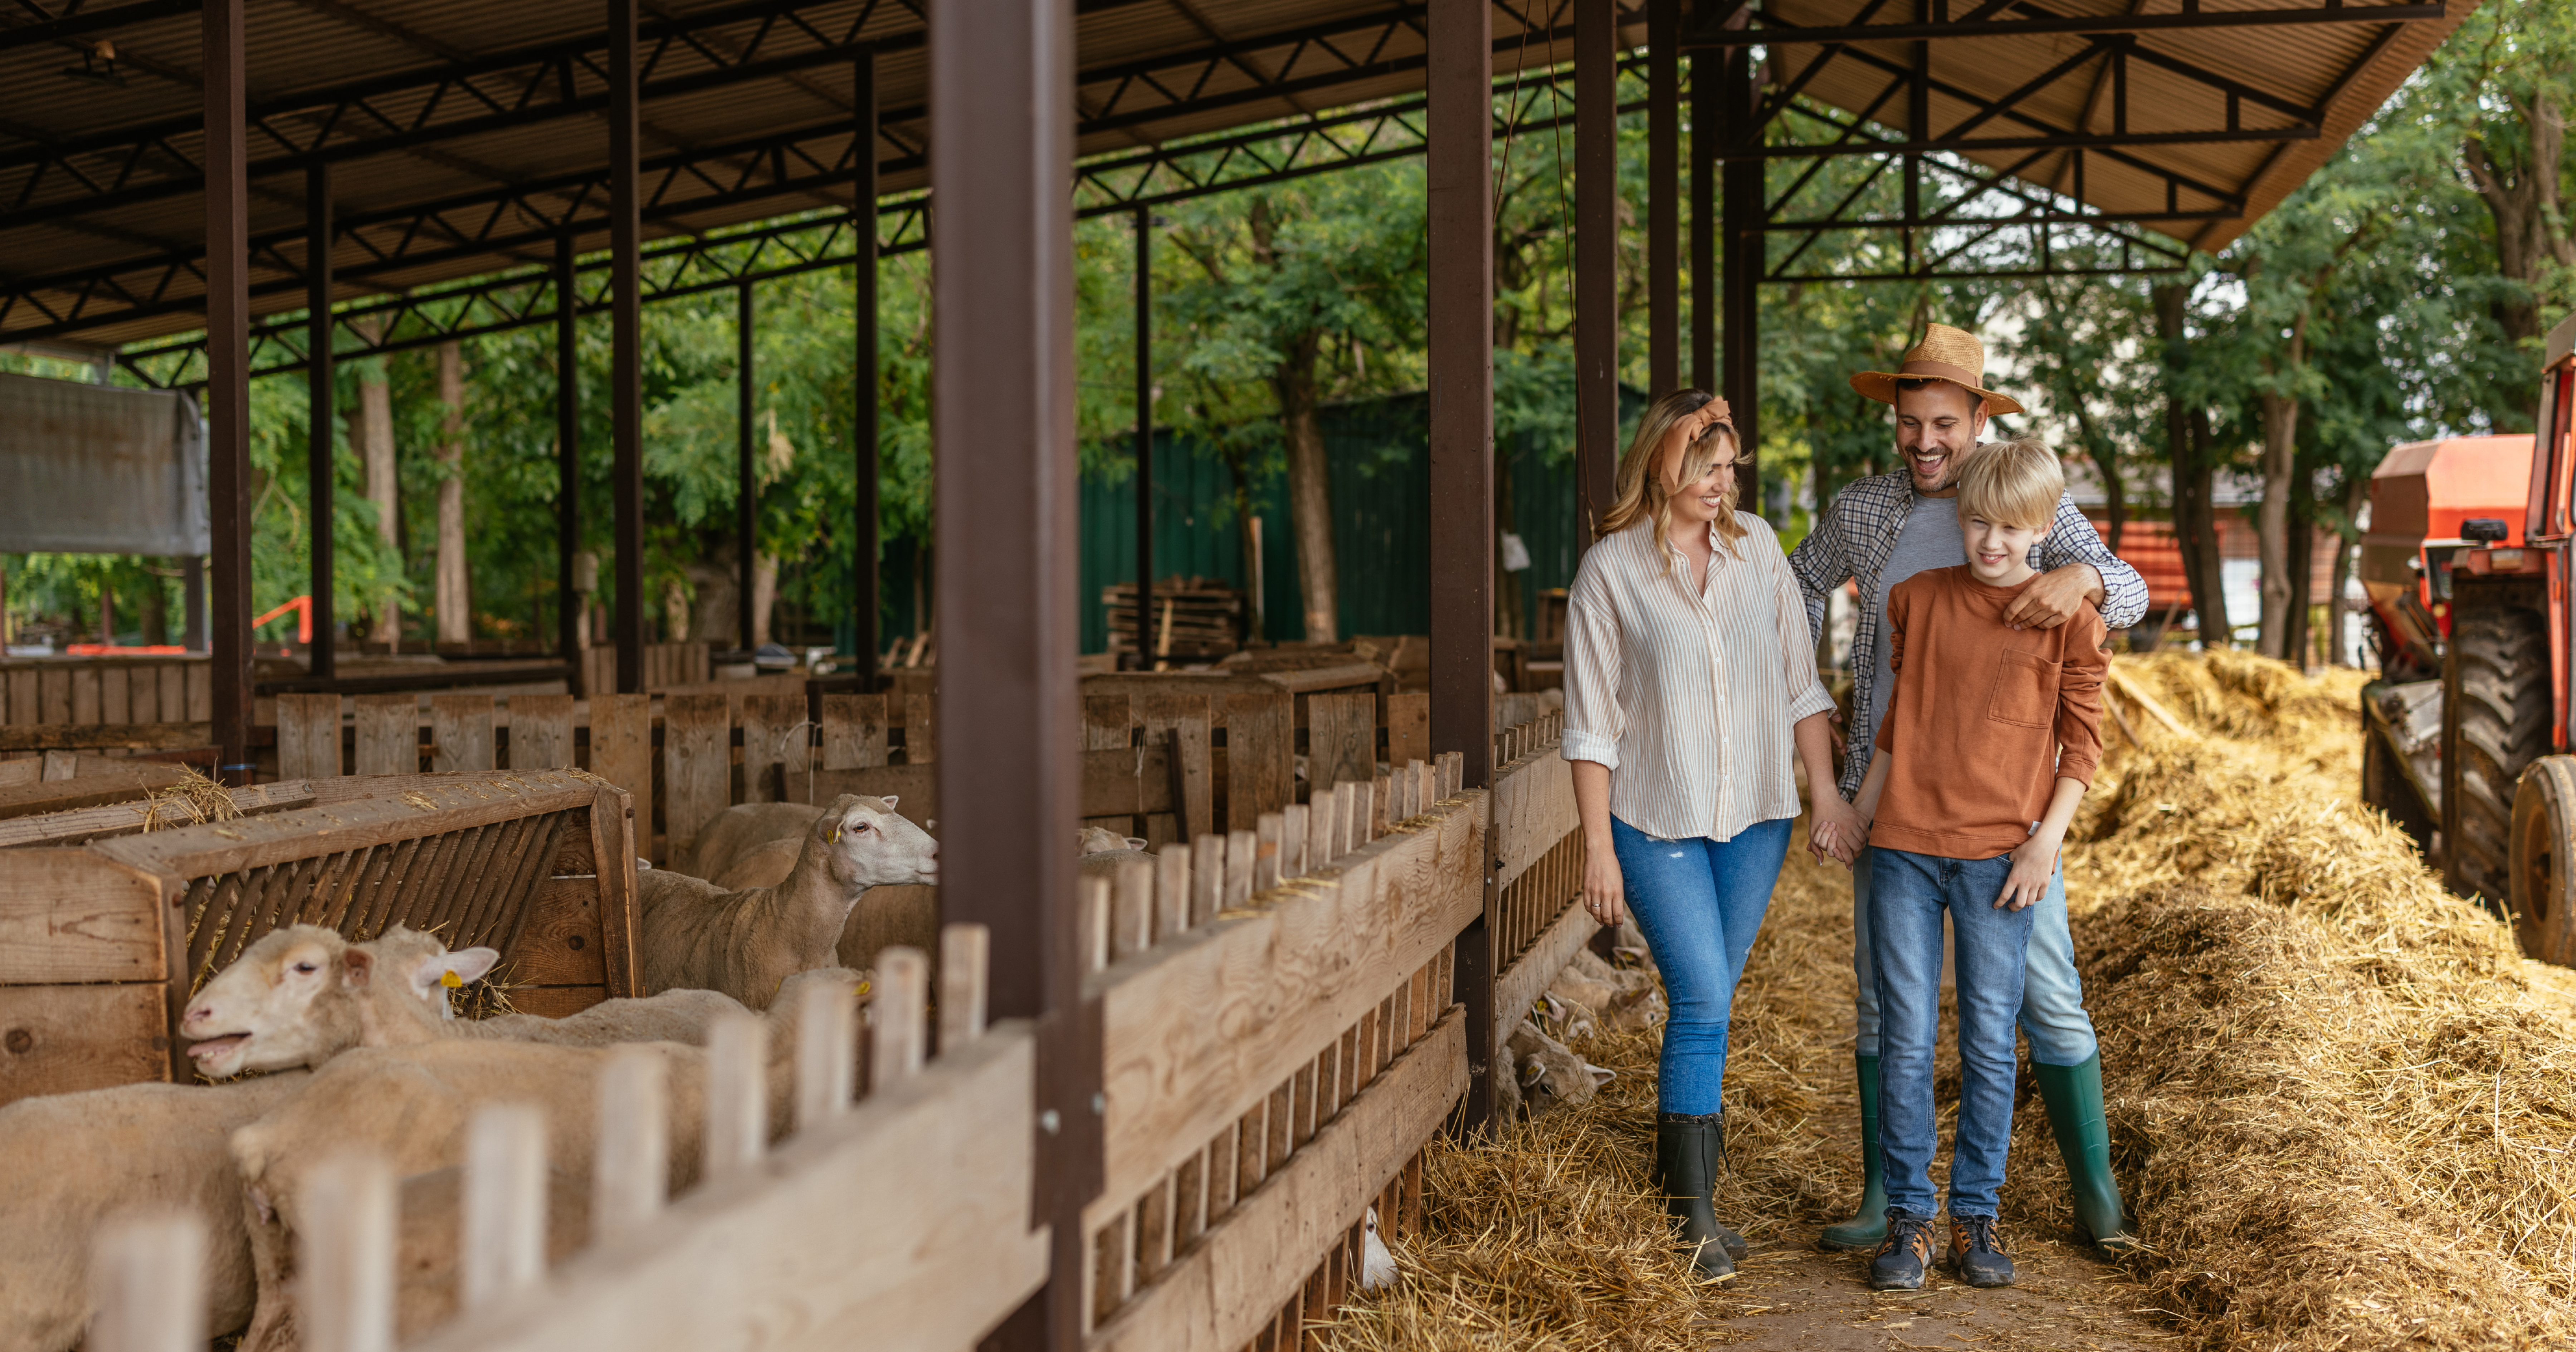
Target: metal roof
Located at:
point(464, 136)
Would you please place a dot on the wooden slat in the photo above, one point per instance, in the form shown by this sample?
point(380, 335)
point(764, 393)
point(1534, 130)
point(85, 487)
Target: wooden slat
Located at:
point(94, 784)
point(1533, 809)
point(1259, 1254)
point(903, 1224)
point(460, 732)
point(308, 736)
point(251, 842)
point(1521, 984)
point(920, 729)
point(64, 1039)
point(121, 737)
point(854, 731)
point(1408, 727)
point(23, 706)
point(199, 679)
point(143, 697)
point(541, 732)
point(1128, 780)
point(388, 734)
point(1341, 740)
point(1197, 1033)
point(1184, 723)
point(914, 787)
point(115, 702)
point(117, 819)
point(697, 766)
point(774, 747)
point(71, 915)
point(559, 941)
point(621, 748)
point(616, 828)
point(85, 696)
point(1260, 756)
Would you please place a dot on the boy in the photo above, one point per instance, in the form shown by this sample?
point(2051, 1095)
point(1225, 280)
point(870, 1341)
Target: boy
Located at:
point(1989, 741)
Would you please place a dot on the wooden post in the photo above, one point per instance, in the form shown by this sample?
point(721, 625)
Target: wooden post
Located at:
point(1596, 257)
point(1740, 378)
point(1144, 306)
point(321, 465)
point(227, 400)
point(964, 952)
point(1459, 173)
point(903, 995)
point(1001, 110)
point(826, 1052)
point(746, 501)
point(626, 342)
point(1663, 189)
point(503, 1239)
point(631, 1173)
point(345, 1256)
point(1706, 77)
point(737, 1094)
point(148, 1285)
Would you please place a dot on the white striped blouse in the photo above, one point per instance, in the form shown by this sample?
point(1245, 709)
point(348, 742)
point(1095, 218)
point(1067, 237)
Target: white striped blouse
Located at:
point(1689, 695)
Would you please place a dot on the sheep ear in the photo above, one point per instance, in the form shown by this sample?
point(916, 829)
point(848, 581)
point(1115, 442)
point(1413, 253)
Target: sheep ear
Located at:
point(357, 967)
point(1135, 842)
point(472, 964)
point(889, 801)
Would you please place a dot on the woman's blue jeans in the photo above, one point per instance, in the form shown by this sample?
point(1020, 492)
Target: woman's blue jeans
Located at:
point(1700, 902)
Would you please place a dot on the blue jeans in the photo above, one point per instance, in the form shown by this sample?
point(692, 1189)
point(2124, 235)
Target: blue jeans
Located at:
point(2052, 1001)
point(1909, 892)
point(1700, 902)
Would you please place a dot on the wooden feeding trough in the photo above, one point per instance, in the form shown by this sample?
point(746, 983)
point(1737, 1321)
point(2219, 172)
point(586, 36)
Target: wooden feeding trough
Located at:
point(102, 943)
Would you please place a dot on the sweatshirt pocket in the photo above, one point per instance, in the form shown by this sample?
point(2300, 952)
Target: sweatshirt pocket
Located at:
point(2025, 690)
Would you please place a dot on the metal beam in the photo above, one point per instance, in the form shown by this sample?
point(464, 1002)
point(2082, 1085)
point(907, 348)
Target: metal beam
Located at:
point(1663, 197)
point(1596, 261)
point(863, 367)
point(1703, 223)
point(1458, 174)
point(321, 465)
point(227, 402)
point(81, 24)
point(746, 506)
point(2038, 21)
point(1740, 378)
point(568, 598)
point(626, 342)
point(1144, 306)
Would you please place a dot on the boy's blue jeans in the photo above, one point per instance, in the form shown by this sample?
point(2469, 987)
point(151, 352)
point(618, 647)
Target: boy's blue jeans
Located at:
point(1700, 902)
point(2052, 996)
point(1908, 893)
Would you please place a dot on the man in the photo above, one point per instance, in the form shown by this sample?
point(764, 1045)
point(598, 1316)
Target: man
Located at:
point(1881, 531)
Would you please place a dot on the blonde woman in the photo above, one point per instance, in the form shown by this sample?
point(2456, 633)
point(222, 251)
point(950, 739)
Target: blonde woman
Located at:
point(1689, 681)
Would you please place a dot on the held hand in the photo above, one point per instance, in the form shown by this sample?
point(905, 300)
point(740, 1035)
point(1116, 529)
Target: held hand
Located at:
point(2034, 863)
point(1605, 892)
point(1835, 828)
point(2054, 597)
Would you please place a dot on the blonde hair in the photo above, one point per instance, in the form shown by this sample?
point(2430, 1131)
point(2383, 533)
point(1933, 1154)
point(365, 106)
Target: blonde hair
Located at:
point(2012, 483)
point(1638, 493)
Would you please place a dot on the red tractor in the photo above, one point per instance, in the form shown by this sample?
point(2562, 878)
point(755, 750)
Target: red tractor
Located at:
point(2467, 566)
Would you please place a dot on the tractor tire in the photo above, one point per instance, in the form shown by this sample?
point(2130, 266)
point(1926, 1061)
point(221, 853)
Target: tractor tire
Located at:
point(2384, 785)
point(2544, 860)
point(2497, 712)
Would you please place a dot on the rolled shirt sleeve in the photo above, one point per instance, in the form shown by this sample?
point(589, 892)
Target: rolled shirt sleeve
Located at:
point(1593, 718)
point(2072, 539)
point(1799, 634)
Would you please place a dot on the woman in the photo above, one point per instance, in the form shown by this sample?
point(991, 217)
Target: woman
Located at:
point(1689, 675)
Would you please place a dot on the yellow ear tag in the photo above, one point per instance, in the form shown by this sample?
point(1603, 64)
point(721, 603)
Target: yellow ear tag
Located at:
point(450, 980)
point(836, 834)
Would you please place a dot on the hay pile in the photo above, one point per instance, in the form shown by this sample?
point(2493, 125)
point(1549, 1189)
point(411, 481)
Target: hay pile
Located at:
point(2344, 1107)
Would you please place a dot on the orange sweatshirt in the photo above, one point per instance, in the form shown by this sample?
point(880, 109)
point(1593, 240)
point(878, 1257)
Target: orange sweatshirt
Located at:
point(1984, 719)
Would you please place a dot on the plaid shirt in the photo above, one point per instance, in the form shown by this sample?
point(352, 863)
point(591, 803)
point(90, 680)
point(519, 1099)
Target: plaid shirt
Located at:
point(1859, 532)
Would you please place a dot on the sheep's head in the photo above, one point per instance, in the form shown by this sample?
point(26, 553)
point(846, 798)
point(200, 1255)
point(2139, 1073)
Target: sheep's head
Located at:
point(868, 845)
point(303, 994)
point(1102, 840)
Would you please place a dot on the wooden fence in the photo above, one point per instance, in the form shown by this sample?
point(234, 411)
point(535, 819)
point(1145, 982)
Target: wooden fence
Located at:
point(1280, 1043)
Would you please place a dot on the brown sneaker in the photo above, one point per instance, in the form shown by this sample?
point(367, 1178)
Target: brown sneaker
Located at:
point(1977, 1252)
point(1900, 1261)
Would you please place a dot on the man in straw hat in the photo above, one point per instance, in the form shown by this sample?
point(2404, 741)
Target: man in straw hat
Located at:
point(1881, 531)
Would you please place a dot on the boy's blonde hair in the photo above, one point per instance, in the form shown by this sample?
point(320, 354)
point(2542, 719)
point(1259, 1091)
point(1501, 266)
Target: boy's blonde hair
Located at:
point(2012, 483)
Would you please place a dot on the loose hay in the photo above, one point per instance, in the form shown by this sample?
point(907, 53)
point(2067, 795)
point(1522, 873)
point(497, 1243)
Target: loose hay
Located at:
point(2342, 1105)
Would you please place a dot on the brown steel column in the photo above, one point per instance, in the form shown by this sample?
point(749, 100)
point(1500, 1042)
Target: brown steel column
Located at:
point(1001, 157)
point(863, 364)
point(1663, 196)
point(568, 602)
point(626, 346)
point(1706, 80)
point(1596, 254)
point(227, 407)
point(1145, 439)
point(321, 464)
point(746, 501)
point(1459, 173)
point(1741, 309)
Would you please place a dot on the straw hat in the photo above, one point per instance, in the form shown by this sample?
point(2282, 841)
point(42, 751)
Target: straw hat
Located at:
point(1945, 353)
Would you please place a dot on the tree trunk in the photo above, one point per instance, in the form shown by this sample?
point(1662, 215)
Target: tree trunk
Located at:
point(764, 596)
point(155, 610)
point(2195, 523)
point(2296, 631)
point(1310, 495)
point(2356, 492)
point(455, 609)
point(2280, 458)
point(371, 434)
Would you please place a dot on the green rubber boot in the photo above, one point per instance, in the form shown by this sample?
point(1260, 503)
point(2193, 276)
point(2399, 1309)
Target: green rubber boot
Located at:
point(1687, 1151)
point(2074, 1098)
point(1868, 1228)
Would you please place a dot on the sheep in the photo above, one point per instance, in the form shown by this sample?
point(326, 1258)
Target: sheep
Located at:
point(1619, 999)
point(1377, 1263)
point(748, 828)
point(1104, 850)
point(682, 1016)
point(412, 1104)
point(69, 1162)
point(744, 943)
point(1550, 1073)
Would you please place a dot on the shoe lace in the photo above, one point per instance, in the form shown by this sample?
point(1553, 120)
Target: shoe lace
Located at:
point(1980, 1234)
point(1906, 1233)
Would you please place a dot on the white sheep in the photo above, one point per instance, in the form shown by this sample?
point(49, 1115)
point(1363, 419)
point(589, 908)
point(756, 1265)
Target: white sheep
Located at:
point(745, 942)
point(71, 1162)
point(749, 828)
point(1377, 1262)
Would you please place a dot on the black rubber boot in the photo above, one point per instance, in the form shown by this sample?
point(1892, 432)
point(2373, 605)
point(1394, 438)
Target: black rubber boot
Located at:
point(1687, 1154)
point(2074, 1098)
point(1868, 1226)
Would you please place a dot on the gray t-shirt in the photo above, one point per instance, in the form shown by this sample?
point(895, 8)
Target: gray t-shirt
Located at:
point(1931, 540)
